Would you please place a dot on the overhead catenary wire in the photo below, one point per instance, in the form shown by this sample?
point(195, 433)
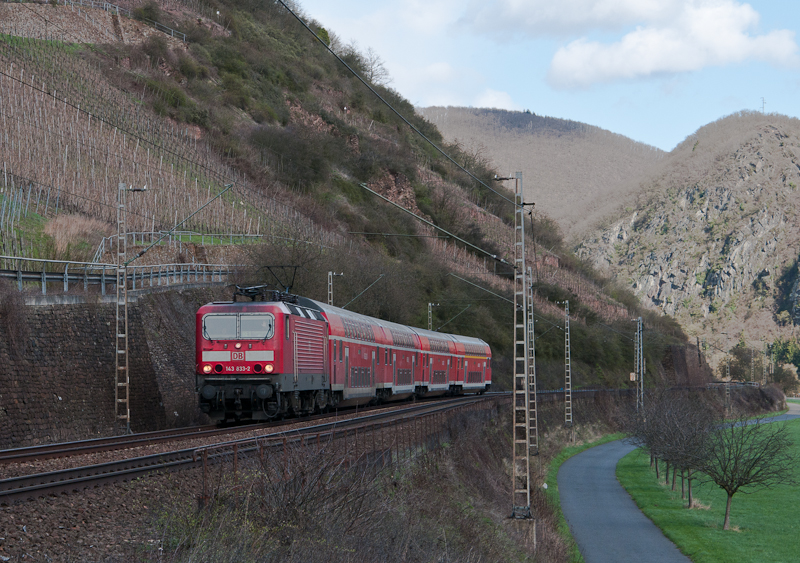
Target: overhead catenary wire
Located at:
point(438, 228)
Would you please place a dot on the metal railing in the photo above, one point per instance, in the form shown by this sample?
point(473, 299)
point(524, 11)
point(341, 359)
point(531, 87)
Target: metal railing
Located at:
point(88, 273)
point(174, 237)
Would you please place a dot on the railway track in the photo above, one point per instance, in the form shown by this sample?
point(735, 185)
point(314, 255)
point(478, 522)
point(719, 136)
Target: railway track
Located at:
point(96, 445)
point(76, 479)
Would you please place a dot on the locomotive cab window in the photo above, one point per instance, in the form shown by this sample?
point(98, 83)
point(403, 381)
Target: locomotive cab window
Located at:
point(256, 326)
point(219, 327)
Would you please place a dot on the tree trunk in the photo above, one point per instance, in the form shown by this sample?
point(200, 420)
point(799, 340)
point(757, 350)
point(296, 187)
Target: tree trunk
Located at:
point(689, 479)
point(657, 475)
point(652, 458)
point(683, 486)
point(727, 524)
point(674, 476)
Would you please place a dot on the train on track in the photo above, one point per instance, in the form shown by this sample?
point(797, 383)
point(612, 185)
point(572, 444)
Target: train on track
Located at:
point(280, 354)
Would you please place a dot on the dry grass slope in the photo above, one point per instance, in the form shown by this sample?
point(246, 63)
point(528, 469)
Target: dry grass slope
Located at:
point(576, 173)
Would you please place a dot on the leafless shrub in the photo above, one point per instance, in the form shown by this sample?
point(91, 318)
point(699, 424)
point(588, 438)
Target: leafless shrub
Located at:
point(307, 504)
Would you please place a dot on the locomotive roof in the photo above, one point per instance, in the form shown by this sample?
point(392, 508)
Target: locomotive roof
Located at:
point(309, 308)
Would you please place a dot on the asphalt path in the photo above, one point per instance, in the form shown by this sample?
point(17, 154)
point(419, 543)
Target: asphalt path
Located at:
point(603, 519)
point(605, 522)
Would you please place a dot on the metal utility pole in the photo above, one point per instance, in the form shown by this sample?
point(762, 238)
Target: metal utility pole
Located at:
point(752, 366)
point(430, 314)
point(764, 365)
point(122, 409)
point(521, 484)
point(639, 365)
point(533, 423)
point(728, 382)
point(567, 370)
point(330, 286)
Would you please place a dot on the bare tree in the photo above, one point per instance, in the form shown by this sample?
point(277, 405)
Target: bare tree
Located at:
point(748, 456)
point(374, 70)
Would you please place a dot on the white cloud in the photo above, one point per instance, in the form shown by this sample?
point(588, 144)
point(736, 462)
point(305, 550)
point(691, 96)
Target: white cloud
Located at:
point(704, 33)
point(496, 100)
point(506, 18)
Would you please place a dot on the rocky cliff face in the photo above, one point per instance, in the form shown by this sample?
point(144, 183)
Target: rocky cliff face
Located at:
point(716, 229)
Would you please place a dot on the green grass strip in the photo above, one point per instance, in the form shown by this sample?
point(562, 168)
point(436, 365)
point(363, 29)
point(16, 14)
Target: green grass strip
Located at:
point(552, 489)
point(764, 525)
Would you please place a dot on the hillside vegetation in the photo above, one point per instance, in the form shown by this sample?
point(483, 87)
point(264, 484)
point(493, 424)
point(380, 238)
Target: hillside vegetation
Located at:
point(576, 173)
point(255, 101)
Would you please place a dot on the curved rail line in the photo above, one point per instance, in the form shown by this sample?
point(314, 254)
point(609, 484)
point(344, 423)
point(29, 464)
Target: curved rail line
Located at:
point(76, 479)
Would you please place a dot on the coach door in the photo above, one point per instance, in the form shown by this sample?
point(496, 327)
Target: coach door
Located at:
point(394, 369)
point(347, 378)
point(372, 374)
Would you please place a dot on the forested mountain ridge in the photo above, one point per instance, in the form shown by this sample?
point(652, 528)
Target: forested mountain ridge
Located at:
point(577, 174)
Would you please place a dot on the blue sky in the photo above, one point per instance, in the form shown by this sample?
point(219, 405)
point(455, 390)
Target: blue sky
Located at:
point(653, 70)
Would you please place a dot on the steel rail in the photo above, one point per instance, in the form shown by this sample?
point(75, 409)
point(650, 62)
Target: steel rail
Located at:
point(94, 445)
point(79, 478)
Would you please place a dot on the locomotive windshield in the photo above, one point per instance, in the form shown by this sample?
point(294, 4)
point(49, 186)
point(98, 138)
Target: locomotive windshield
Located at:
point(219, 327)
point(257, 326)
point(249, 326)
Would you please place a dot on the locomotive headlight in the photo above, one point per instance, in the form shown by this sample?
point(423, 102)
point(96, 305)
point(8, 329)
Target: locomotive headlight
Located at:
point(207, 368)
point(268, 368)
point(238, 345)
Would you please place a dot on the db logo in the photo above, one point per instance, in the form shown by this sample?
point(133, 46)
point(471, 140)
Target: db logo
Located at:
point(237, 356)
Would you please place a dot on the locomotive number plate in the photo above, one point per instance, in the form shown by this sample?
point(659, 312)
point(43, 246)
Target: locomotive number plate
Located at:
point(237, 369)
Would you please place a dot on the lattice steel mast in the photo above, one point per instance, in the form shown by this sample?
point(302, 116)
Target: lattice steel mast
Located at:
point(521, 502)
point(639, 365)
point(533, 414)
point(122, 408)
point(567, 370)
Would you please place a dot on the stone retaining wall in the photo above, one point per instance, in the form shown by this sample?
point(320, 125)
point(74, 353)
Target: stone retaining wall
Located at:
point(57, 383)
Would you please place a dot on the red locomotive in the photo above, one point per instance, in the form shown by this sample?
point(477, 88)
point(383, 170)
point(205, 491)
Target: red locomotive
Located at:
point(283, 354)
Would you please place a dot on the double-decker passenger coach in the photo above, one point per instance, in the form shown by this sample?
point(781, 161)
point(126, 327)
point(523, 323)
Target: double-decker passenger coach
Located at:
point(279, 354)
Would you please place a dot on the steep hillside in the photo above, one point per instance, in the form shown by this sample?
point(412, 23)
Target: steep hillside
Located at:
point(714, 237)
point(253, 130)
point(576, 173)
